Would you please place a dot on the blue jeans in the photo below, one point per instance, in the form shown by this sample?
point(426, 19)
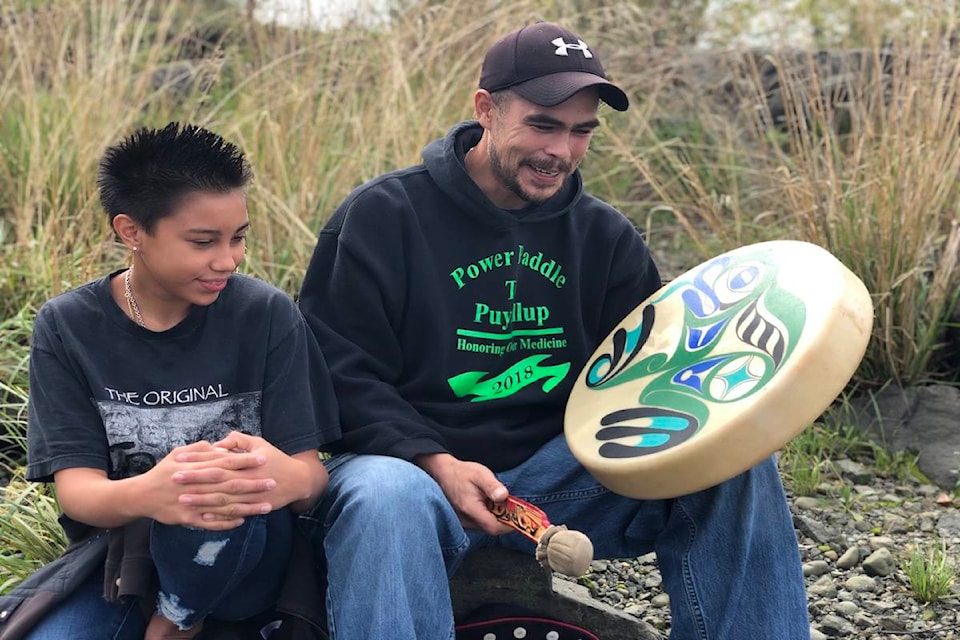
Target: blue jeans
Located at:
point(229, 575)
point(728, 555)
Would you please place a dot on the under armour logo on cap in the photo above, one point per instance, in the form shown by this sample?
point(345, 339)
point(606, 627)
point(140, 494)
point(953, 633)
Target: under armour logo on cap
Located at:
point(579, 45)
point(537, 63)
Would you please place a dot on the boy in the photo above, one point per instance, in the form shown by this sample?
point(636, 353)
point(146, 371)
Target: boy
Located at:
point(175, 403)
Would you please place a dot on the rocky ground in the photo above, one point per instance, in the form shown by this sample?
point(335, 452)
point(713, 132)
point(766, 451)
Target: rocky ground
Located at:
point(855, 536)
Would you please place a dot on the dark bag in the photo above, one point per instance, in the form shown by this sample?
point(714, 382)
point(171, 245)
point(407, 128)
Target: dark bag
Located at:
point(48, 586)
point(299, 614)
point(507, 621)
point(271, 625)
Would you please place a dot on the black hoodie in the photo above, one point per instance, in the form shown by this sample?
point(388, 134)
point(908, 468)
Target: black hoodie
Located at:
point(450, 324)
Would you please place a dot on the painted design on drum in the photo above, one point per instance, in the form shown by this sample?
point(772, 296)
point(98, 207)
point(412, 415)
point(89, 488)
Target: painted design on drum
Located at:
point(739, 328)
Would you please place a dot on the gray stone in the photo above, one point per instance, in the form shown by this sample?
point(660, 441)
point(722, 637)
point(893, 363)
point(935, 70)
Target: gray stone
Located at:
point(835, 626)
point(817, 532)
point(854, 471)
point(815, 568)
point(860, 584)
point(863, 621)
point(949, 524)
point(807, 503)
point(921, 420)
point(888, 623)
point(880, 563)
point(881, 542)
point(660, 600)
point(862, 525)
point(878, 606)
point(849, 559)
point(824, 588)
point(893, 523)
point(653, 580)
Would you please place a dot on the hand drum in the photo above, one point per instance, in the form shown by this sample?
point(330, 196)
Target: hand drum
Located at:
point(718, 369)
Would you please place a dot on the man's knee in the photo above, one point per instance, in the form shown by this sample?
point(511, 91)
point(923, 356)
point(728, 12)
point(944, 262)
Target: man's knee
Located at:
point(382, 489)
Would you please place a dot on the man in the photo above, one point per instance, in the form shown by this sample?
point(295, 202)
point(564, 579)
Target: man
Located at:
point(456, 301)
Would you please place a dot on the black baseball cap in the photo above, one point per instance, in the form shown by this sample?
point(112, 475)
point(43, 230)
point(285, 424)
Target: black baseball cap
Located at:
point(546, 64)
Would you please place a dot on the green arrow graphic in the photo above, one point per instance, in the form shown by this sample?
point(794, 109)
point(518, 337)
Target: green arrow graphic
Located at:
point(519, 376)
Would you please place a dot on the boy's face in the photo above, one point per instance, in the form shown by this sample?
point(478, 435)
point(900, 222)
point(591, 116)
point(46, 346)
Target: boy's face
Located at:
point(534, 149)
point(191, 253)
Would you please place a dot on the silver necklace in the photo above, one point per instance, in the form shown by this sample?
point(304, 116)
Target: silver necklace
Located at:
point(131, 301)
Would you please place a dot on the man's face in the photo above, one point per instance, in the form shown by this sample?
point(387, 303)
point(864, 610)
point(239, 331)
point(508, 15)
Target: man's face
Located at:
point(532, 150)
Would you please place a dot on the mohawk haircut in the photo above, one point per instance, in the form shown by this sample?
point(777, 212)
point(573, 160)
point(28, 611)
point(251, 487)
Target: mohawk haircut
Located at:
point(147, 175)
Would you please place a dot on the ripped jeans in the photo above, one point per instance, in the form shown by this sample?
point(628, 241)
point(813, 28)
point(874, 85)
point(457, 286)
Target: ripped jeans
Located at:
point(227, 575)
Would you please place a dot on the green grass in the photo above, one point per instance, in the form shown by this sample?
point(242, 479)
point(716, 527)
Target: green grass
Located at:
point(930, 573)
point(14, 383)
point(30, 535)
point(808, 459)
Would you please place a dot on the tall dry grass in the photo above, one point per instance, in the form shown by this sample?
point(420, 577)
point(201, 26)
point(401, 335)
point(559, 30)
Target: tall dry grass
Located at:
point(854, 151)
point(76, 77)
point(876, 179)
point(318, 113)
point(696, 161)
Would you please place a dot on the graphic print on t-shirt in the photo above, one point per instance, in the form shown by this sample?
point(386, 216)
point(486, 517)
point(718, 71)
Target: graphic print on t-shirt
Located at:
point(139, 436)
point(510, 329)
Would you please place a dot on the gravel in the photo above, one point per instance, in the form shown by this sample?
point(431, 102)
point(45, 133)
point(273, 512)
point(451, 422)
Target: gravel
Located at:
point(855, 536)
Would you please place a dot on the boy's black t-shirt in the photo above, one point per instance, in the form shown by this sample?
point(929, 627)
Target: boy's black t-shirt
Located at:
point(108, 394)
